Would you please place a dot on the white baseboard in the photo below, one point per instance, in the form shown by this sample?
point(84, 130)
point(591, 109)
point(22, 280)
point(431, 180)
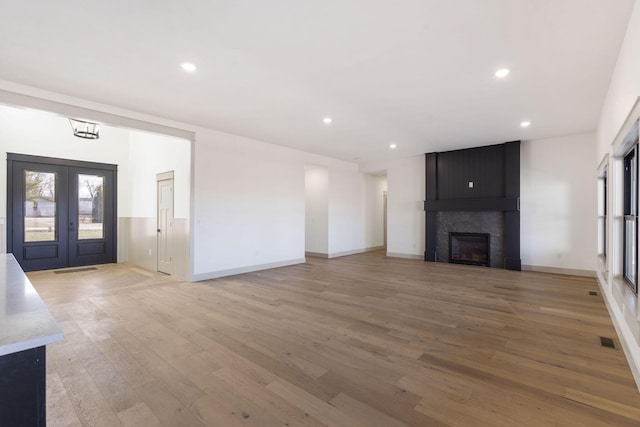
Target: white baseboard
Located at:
point(316, 254)
point(345, 253)
point(357, 251)
point(406, 256)
point(556, 270)
point(248, 269)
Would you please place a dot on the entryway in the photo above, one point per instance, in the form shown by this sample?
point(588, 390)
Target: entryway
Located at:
point(60, 213)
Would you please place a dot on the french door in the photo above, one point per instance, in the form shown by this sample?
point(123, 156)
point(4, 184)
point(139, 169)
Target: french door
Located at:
point(61, 213)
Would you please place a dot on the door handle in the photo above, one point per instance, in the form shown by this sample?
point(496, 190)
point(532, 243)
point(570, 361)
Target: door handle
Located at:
point(159, 230)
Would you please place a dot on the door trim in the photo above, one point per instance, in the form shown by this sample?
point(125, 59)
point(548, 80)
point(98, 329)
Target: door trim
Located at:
point(164, 175)
point(60, 162)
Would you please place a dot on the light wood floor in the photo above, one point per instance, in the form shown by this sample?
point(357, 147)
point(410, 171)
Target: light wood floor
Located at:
point(362, 340)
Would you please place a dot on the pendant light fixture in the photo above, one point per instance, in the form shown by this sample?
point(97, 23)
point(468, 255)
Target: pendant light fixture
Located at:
point(86, 130)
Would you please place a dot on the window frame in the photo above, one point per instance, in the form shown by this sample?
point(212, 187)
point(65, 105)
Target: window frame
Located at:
point(603, 210)
point(630, 218)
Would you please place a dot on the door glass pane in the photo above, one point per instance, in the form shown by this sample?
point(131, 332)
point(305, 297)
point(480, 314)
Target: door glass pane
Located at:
point(39, 206)
point(90, 206)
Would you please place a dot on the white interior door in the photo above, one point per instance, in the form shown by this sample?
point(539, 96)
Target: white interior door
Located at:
point(384, 217)
point(165, 224)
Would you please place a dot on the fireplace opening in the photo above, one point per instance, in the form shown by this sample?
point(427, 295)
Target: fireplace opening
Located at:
point(469, 248)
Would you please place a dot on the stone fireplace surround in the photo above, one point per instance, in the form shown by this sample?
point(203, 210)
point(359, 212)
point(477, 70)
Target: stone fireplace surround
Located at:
point(491, 222)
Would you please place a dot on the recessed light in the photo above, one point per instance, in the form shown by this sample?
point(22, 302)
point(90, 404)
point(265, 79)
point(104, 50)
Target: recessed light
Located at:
point(393, 145)
point(188, 66)
point(327, 120)
point(502, 73)
point(525, 124)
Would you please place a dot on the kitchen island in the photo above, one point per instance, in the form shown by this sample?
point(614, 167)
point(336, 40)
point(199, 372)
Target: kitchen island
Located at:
point(26, 327)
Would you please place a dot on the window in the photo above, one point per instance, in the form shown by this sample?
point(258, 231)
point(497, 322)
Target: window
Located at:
point(630, 267)
point(602, 214)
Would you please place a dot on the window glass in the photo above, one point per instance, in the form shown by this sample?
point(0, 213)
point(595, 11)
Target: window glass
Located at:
point(90, 207)
point(39, 206)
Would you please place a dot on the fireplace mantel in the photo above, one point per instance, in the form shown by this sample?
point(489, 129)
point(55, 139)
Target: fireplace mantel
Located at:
point(496, 204)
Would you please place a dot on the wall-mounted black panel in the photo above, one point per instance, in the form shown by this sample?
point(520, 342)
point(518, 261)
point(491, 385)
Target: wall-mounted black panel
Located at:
point(430, 253)
point(512, 240)
point(473, 180)
point(431, 167)
point(472, 173)
point(512, 170)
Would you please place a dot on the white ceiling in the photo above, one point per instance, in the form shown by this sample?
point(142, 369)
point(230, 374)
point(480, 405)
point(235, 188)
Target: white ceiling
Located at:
point(417, 72)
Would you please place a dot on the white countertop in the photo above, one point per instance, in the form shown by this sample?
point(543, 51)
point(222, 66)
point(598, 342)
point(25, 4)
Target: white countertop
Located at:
point(25, 321)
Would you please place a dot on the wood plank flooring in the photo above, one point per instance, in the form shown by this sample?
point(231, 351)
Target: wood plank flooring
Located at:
point(362, 340)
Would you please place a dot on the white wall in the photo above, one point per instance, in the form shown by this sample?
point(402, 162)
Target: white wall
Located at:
point(405, 215)
point(346, 211)
point(249, 205)
point(624, 89)
point(149, 155)
point(42, 134)
point(558, 202)
point(316, 209)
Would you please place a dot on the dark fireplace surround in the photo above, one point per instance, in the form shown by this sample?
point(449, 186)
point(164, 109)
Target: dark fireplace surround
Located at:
point(475, 190)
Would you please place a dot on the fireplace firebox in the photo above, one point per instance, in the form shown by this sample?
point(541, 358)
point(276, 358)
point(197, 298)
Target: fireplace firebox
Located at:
point(469, 248)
